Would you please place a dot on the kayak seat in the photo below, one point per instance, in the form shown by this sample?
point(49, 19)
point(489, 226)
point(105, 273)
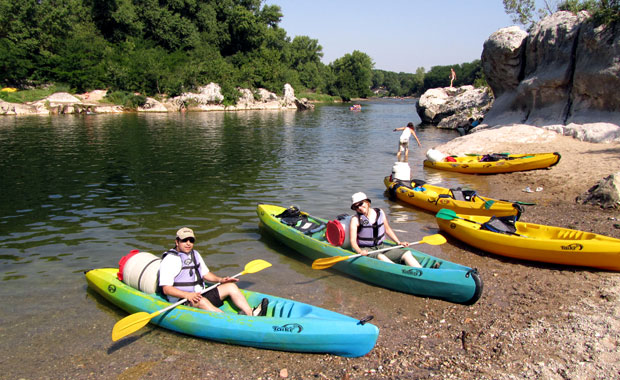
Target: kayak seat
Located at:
point(285, 309)
point(292, 217)
point(463, 195)
point(308, 227)
point(424, 261)
point(417, 183)
point(502, 225)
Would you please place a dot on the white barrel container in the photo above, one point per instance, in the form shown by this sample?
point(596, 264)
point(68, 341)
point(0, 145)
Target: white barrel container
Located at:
point(141, 271)
point(337, 232)
point(401, 171)
point(434, 155)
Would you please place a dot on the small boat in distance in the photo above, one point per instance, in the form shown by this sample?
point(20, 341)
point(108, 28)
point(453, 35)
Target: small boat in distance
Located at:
point(356, 107)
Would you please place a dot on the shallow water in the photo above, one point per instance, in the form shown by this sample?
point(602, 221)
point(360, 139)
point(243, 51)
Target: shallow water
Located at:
point(79, 192)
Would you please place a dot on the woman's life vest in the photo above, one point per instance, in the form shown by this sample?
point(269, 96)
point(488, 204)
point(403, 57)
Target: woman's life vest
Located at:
point(190, 274)
point(370, 235)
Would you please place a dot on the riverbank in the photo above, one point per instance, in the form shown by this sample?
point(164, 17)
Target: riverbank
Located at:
point(533, 320)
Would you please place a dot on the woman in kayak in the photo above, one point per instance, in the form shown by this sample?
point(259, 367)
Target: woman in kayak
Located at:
point(182, 274)
point(367, 232)
point(403, 142)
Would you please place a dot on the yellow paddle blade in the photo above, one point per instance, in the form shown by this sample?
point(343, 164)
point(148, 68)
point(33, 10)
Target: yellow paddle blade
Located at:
point(327, 262)
point(131, 323)
point(436, 239)
point(255, 266)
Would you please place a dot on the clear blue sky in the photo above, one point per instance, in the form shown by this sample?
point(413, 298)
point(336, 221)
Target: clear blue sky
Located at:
point(399, 35)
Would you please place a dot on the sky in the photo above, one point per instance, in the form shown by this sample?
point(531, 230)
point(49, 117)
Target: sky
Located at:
point(399, 35)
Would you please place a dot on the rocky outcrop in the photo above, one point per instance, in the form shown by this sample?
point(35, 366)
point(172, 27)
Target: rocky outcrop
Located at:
point(563, 76)
point(606, 193)
point(207, 98)
point(502, 59)
point(449, 107)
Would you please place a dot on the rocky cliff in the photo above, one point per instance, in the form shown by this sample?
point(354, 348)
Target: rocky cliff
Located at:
point(563, 75)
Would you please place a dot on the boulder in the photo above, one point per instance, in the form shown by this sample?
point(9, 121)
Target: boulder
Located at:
point(606, 193)
point(449, 107)
point(303, 104)
point(152, 105)
point(7, 108)
point(289, 95)
point(61, 98)
point(266, 96)
point(502, 58)
point(209, 94)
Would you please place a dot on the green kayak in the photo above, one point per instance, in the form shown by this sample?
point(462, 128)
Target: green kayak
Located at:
point(437, 278)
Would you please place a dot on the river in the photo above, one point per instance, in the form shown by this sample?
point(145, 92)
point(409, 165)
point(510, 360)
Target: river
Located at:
point(81, 191)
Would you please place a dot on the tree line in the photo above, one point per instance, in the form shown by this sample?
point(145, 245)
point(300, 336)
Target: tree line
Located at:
point(156, 47)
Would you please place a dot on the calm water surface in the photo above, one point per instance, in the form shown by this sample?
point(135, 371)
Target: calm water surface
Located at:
point(79, 192)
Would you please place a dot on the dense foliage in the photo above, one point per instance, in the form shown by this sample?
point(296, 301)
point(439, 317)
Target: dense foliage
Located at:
point(403, 84)
point(155, 47)
point(525, 12)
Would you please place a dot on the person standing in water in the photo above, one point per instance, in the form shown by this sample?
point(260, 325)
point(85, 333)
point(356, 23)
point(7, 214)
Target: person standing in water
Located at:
point(403, 145)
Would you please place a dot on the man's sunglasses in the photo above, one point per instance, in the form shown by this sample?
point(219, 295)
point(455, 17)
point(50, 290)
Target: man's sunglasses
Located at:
point(190, 239)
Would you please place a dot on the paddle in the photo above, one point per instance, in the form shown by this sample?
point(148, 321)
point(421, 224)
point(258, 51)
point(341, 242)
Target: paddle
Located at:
point(488, 203)
point(448, 214)
point(327, 262)
point(135, 322)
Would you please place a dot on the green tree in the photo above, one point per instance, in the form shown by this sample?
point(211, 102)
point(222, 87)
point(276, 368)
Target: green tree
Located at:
point(352, 76)
point(525, 12)
point(305, 58)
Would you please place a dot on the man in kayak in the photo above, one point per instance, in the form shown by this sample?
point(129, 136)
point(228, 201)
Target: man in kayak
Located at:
point(182, 274)
point(368, 229)
point(403, 142)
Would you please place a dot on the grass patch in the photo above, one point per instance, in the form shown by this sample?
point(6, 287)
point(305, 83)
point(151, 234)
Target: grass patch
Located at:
point(313, 97)
point(32, 95)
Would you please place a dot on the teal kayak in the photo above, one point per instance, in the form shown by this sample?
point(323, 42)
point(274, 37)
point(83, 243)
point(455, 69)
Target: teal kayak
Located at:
point(437, 278)
point(288, 326)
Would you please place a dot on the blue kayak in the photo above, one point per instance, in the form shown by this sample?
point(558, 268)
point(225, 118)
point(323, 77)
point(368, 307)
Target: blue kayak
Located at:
point(438, 278)
point(288, 326)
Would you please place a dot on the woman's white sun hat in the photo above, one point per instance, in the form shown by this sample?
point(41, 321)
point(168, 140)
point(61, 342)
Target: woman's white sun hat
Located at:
point(358, 197)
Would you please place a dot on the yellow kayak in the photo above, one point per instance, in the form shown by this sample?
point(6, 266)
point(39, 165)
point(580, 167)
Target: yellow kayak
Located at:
point(495, 163)
point(534, 242)
point(434, 198)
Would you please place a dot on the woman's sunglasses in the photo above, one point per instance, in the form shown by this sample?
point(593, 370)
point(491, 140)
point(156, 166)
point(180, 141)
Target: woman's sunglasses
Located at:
point(357, 205)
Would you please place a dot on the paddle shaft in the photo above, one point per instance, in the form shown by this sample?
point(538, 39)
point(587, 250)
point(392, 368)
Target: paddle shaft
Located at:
point(185, 300)
point(380, 250)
